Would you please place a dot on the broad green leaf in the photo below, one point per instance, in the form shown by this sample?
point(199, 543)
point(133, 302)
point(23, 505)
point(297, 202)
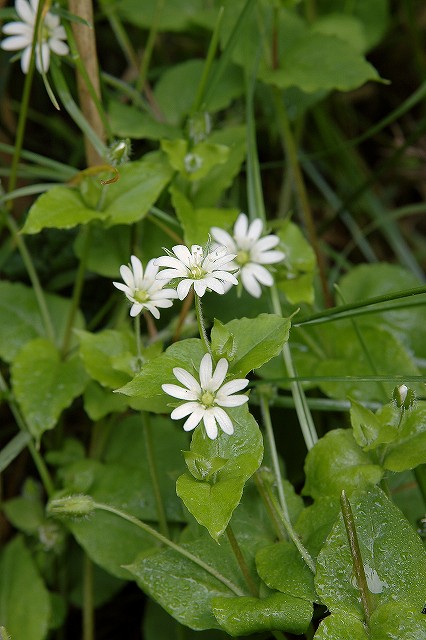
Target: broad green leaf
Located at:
point(130, 122)
point(24, 599)
point(109, 357)
point(368, 430)
point(213, 499)
point(195, 162)
point(210, 189)
point(281, 567)
point(99, 402)
point(196, 223)
point(159, 625)
point(244, 616)
point(25, 513)
point(374, 15)
point(146, 385)
point(371, 280)
point(316, 521)
point(335, 463)
point(124, 202)
point(182, 80)
point(59, 208)
point(396, 620)
point(343, 26)
point(393, 556)
point(110, 541)
point(184, 589)
point(338, 67)
point(255, 341)
point(339, 626)
point(171, 15)
point(409, 448)
point(21, 321)
point(109, 249)
point(44, 385)
point(295, 275)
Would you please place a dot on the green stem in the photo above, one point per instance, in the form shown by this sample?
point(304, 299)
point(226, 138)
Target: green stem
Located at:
point(138, 339)
point(208, 63)
point(357, 562)
point(267, 423)
point(201, 325)
point(302, 409)
point(147, 54)
point(161, 512)
point(270, 507)
point(88, 604)
point(420, 473)
point(241, 562)
point(23, 111)
point(292, 156)
point(38, 291)
point(172, 545)
point(78, 288)
point(35, 454)
point(291, 532)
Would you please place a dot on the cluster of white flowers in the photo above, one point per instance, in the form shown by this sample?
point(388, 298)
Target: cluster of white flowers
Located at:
point(211, 269)
point(50, 37)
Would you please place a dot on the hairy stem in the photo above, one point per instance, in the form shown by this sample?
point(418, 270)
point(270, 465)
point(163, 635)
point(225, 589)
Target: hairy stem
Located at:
point(201, 325)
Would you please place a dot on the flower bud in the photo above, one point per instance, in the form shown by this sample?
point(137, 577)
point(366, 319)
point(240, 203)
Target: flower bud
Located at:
point(199, 126)
point(119, 152)
point(77, 506)
point(4, 634)
point(403, 397)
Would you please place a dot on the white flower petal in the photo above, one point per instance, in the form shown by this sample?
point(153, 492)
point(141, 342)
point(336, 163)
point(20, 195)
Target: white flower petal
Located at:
point(232, 387)
point(267, 242)
point(14, 43)
point(19, 29)
point(183, 254)
point(250, 283)
point(26, 59)
point(187, 379)
point(127, 275)
point(210, 423)
point(58, 46)
point(183, 288)
point(206, 366)
point(232, 401)
point(267, 257)
point(136, 309)
point(151, 270)
point(224, 238)
point(194, 419)
point(260, 273)
point(255, 230)
point(25, 12)
point(240, 227)
point(224, 421)
point(137, 270)
point(184, 410)
point(179, 392)
point(200, 287)
point(218, 376)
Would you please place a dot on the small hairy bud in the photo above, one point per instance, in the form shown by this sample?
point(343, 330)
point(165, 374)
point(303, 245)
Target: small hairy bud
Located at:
point(119, 152)
point(78, 506)
point(403, 397)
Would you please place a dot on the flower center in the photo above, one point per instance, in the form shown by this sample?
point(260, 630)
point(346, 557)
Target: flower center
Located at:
point(141, 295)
point(197, 272)
point(207, 399)
point(242, 257)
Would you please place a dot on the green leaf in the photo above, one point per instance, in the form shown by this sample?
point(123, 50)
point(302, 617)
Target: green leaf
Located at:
point(182, 80)
point(18, 577)
point(44, 385)
point(172, 16)
point(195, 162)
point(20, 319)
point(159, 625)
point(184, 589)
point(316, 521)
point(295, 276)
point(374, 15)
point(255, 341)
point(409, 448)
point(338, 67)
point(281, 567)
point(108, 356)
point(146, 385)
point(368, 429)
point(126, 201)
point(393, 556)
point(196, 223)
point(109, 249)
point(59, 208)
point(130, 122)
point(99, 402)
point(339, 626)
point(346, 27)
point(336, 462)
point(212, 500)
point(244, 616)
point(396, 620)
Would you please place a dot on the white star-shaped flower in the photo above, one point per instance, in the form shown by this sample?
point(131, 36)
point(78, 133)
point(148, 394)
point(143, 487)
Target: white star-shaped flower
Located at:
point(206, 397)
point(252, 252)
point(203, 269)
point(144, 290)
point(51, 36)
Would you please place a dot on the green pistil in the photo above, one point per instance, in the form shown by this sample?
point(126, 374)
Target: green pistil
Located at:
point(141, 296)
point(197, 273)
point(242, 257)
point(207, 399)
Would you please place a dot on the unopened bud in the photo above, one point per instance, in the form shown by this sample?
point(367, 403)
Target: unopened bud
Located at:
point(4, 634)
point(403, 397)
point(77, 506)
point(119, 152)
point(199, 126)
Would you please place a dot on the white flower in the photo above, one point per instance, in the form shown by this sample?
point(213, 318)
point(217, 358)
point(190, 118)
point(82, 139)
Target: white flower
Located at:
point(50, 38)
point(145, 291)
point(204, 270)
point(206, 398)
point(252, 252)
